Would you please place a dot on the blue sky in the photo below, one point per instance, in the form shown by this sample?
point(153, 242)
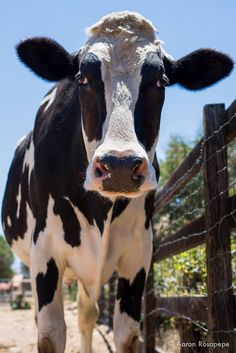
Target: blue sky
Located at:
point(183, 25)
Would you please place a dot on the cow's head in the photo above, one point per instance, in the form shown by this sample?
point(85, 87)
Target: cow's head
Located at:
point(121, 75)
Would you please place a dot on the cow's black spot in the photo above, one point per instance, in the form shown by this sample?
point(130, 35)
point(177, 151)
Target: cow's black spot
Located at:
point(40, 198)
point(119, 206)
point(91, 67)
point(149, 208)
point(152, 69)
point(156, 167)
point(71, 226)
point(46, 285)
point(94, 208)
point(39, 227)
point(150, 101)
point(92, 98)
point(130, 295)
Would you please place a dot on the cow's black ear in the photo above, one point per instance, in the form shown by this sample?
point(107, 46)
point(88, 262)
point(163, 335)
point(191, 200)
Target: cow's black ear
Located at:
point(198, 69)
point(47, 58)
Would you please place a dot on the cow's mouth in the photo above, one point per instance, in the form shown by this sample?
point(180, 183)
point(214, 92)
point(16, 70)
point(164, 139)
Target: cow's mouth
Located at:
point(114, 188)
point(127, 176)
point(113, 194)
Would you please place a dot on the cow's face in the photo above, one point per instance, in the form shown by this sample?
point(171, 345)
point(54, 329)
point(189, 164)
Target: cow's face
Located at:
point(122, 79)
point(121, 75)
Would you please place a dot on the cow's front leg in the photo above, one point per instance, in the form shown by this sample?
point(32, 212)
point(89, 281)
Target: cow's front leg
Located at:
point(132, 272)
point(87, 317)
point(46, 277)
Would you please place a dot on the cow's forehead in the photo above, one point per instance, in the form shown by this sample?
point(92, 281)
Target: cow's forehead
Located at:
point(121, 54)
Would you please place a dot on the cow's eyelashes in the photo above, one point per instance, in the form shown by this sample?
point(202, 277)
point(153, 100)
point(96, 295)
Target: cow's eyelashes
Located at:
point(164, 81)
point(82, 79)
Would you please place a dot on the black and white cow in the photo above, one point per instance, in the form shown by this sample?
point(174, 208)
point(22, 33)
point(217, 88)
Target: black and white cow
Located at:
point(79, 195)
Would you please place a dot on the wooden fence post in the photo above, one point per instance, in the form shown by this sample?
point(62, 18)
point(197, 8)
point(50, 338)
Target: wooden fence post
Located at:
point(149, 328)
point(102, 305)
point(188, 334)
point(112, 295)
point(218, 256)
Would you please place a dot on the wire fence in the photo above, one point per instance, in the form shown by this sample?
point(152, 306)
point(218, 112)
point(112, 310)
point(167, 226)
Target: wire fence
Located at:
point(195, 217)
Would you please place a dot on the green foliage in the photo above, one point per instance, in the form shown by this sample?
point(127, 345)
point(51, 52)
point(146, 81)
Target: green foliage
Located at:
point(6, 259)
point(183, 274)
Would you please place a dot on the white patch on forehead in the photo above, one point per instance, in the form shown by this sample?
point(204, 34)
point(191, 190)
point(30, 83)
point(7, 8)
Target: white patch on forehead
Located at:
point(49, 99)
point(9, 221)
point(18, 201)
point(29, 158)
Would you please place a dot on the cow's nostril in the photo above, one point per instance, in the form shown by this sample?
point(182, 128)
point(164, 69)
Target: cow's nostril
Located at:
point(101, 170)
point(137, 176)
point(120, 174)
point(136, 172)
point(139, 170)
point(98, 173)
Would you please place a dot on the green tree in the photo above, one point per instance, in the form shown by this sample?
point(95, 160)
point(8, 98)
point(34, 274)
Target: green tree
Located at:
point(6, 259)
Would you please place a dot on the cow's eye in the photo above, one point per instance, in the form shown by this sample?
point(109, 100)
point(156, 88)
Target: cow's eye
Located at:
point(83, 81)
point(163, 82)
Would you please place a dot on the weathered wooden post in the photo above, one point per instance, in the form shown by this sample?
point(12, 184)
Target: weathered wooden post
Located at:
point(102, 305)
point(190, 335)
point(218, 256)
point(111, 304)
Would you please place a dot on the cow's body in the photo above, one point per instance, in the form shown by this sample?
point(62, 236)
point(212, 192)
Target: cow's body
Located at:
point(79, 196)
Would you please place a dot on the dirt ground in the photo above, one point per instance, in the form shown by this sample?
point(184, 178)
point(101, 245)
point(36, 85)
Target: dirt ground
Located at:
point(18, 333)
